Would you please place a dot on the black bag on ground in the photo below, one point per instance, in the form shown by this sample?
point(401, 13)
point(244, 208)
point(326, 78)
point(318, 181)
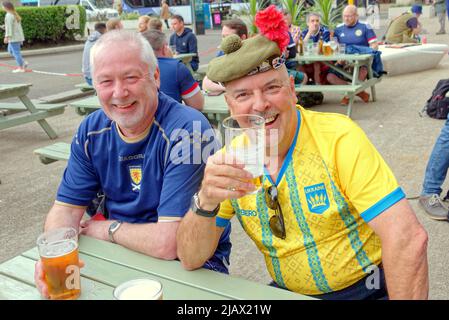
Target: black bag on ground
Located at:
point(437, 106)
point(309, 99)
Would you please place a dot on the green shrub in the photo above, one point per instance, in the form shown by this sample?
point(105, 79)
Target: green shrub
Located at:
point(50, 24)
point(129, 16)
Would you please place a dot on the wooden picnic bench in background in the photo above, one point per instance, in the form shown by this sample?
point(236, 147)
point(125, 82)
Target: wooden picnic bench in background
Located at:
point(17, 113)
point(351, 89)
point(54, 152)
point(84, 87)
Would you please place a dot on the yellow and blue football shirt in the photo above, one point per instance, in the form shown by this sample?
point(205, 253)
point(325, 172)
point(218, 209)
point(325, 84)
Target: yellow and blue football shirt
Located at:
point(332, 182)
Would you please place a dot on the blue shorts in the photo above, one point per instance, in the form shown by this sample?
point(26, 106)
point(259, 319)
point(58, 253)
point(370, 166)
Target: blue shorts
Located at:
point(357, 291)
point(216, 264)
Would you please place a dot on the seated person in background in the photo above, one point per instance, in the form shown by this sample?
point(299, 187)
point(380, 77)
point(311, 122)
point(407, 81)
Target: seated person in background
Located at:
point(184, 40)
point(330, 216)
point(353, 32)
point(294, 30)
point(405, 28)
point(317, 70)
point(114, 24)
point(155, 24)
point(234, 26)
point(100, 29)
point(290, 54)
point(176, 80)
point(123, 150)
point(142, 23)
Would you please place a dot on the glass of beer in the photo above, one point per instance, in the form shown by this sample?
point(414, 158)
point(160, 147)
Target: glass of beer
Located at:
point(327, 50)
point(58, 249)
point(139, 289)
point(245, 140)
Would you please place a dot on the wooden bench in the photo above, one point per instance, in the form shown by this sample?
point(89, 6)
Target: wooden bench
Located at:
point(84, 87)
point(54, 152)
point(11, 113)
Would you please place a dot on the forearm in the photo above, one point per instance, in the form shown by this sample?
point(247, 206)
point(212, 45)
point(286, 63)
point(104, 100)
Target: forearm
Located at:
point(196, 239)
point(63, 216)
point(197, 101)
point(153, 239)
point(212, 86)
point(406, 268)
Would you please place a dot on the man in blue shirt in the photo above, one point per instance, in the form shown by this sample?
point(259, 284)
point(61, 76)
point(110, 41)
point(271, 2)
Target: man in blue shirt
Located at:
point(184, 40)
point(176, 80)
point(353, 32)
point(146, 151)
point(314, 32)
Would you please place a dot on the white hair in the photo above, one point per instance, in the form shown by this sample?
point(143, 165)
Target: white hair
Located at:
point(124, 39)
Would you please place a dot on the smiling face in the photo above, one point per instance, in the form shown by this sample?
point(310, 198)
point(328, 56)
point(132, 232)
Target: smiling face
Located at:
point(126, 90)
point(270, 94)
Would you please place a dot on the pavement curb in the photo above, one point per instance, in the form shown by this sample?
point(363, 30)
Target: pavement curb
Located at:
point(36, 52)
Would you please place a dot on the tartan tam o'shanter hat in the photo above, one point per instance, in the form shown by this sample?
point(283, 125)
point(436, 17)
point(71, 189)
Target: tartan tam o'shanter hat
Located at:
point(257, 54)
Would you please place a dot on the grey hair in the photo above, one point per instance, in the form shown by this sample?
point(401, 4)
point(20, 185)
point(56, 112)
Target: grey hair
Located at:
point(120, 39)
point(312, 14)
point(156, 38)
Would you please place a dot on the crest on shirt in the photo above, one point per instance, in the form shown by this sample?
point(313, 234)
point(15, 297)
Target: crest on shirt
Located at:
point(358, 33)
point(136, 177)
point(317, 199)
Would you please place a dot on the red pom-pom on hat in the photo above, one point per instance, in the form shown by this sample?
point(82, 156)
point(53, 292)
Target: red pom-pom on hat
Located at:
point(272, 25)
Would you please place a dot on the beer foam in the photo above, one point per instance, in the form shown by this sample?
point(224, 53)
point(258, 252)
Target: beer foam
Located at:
point(148, 290)
point(58, 248)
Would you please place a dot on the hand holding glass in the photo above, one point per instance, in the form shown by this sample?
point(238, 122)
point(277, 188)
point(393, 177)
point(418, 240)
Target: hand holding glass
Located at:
point(245, 140)
point(58, 250)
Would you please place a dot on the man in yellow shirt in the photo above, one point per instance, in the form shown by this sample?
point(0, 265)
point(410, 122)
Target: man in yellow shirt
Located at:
point(328, 214)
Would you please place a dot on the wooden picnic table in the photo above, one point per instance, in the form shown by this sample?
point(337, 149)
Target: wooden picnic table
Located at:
point(215, 107)
point(108, 265)
point(186, 58)
point(350, 90)
point(13, 114)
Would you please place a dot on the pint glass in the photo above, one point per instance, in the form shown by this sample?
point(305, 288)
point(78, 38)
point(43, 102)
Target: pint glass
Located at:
point(58, 250)
point(245, 140)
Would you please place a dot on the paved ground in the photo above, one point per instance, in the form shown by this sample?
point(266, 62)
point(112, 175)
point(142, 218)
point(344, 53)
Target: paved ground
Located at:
point(392, 123)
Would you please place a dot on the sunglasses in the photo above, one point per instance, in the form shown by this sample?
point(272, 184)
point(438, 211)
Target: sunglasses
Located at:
point(277, 225)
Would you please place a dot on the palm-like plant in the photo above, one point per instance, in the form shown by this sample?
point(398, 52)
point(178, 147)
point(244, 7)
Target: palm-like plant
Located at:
point(330, 16)
point(253, 7)
point(295, 8)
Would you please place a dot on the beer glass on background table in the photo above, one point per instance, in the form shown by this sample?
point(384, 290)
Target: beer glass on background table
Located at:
point(58, 249)
point(245, 140)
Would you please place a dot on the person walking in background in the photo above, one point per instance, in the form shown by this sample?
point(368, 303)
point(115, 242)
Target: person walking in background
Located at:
point(14, 35)
point(100, 29)
point(165, 13)
point(142, 23)
point(440, 10)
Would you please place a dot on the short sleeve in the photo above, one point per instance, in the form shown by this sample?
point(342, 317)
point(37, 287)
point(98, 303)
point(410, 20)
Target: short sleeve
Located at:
point(225, 214)
point(370, 34)
point(364, 177)
point(184, 171)
point(326, 35)
point(187, 85)
point(80, 183)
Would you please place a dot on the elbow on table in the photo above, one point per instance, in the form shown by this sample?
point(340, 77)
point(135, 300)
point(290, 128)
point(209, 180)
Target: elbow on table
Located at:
point(190, 264)
point(166, 251)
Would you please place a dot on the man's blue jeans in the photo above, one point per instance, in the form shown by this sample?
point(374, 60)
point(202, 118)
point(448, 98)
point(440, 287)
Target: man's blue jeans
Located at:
point(14, 50)
point(438, 164)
